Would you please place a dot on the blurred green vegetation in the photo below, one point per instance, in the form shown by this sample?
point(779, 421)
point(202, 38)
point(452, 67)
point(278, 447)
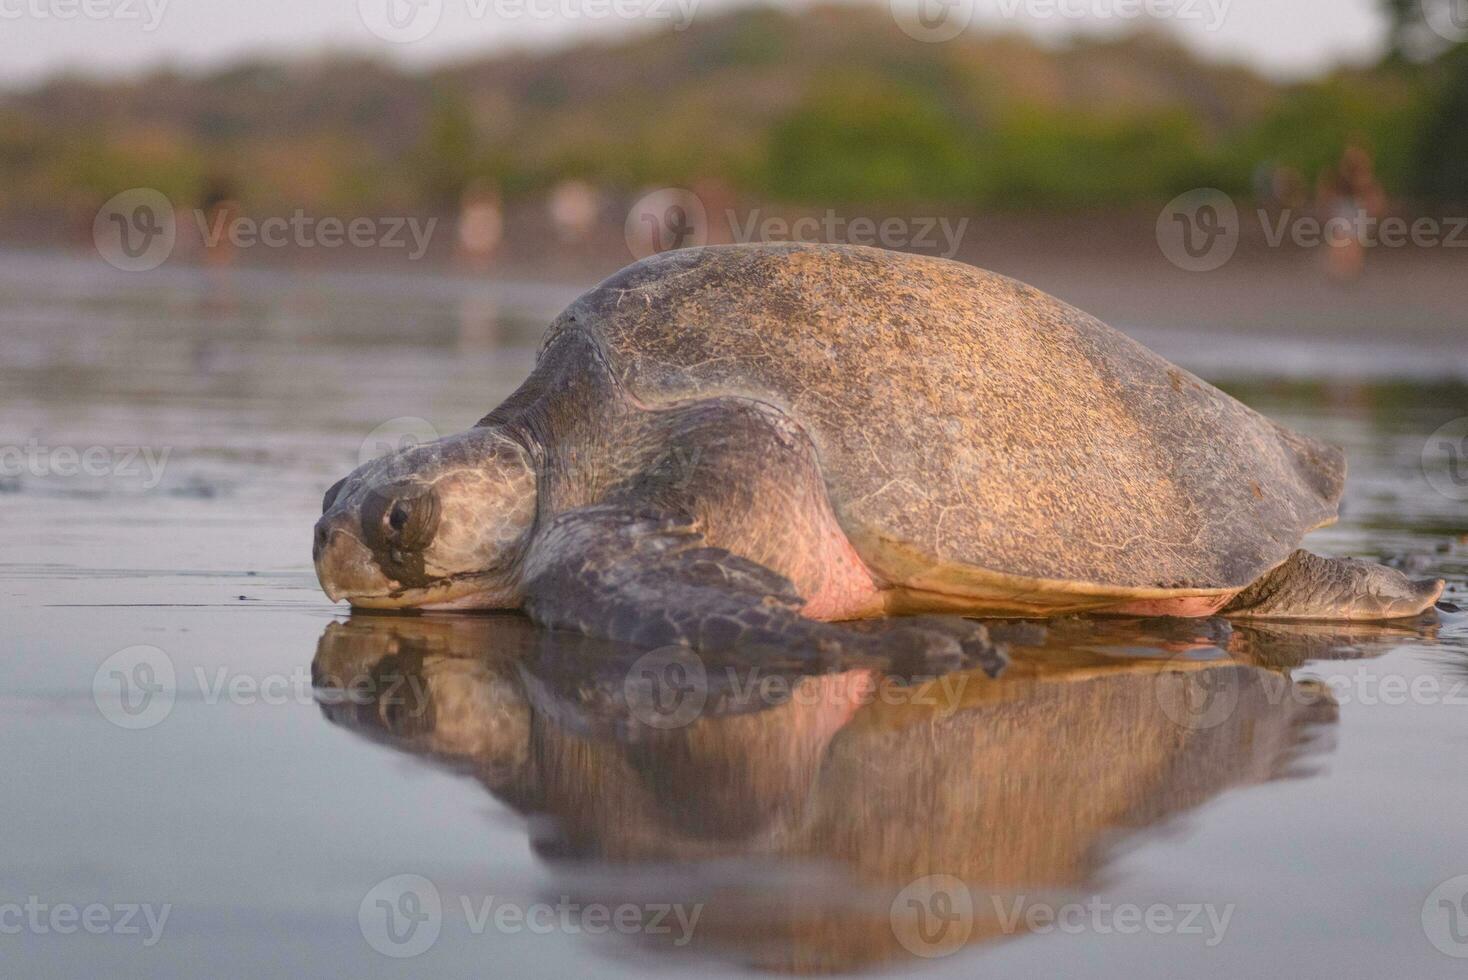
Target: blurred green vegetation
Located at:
point(828, 106)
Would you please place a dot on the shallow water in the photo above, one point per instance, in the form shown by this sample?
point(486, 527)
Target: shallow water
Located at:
point(1186, 798)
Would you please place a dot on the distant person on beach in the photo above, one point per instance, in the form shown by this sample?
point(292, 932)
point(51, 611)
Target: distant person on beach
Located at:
point(1346, 196)
point(220, 208)
point(481, 225)
point(574, 207)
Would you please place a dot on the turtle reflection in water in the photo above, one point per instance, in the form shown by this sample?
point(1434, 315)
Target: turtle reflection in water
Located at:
point(796, 821)
point(730, 448)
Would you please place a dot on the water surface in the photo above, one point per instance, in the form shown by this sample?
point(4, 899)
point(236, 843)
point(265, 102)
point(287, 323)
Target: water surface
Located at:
point(1302, 785)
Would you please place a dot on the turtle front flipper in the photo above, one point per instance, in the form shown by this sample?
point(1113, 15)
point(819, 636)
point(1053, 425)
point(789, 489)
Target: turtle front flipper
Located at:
point(1308, 586)
point(645, 576)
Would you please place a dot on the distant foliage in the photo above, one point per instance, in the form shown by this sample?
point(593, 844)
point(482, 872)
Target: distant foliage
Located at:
point(829, 106)
point(863, 138)
point(1440, 163)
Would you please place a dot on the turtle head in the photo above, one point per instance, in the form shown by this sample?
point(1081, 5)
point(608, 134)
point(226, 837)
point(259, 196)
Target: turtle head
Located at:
point(444, 524)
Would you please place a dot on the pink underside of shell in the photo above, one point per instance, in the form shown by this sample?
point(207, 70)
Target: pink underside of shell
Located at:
point(848, 589)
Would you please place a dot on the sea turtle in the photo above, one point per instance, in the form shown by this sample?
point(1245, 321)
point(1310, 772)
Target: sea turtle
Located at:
point(741, 444)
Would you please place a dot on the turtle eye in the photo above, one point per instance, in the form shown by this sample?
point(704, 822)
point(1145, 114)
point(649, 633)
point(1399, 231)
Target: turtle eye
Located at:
point(409, 522)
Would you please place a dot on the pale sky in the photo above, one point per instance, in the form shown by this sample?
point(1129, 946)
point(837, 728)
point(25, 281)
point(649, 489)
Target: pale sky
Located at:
point(40, 37)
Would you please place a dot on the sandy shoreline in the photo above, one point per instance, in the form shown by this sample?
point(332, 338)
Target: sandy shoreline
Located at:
point(1410, 305)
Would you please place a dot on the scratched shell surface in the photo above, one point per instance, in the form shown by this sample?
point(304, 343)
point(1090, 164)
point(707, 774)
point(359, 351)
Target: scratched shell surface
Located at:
point(966, 417)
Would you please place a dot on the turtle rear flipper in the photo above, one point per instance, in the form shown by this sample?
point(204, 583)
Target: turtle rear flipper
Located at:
point(1308, 586)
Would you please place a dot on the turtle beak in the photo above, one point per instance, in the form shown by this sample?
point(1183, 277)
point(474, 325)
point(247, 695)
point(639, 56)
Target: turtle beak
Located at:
point(344, 565)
